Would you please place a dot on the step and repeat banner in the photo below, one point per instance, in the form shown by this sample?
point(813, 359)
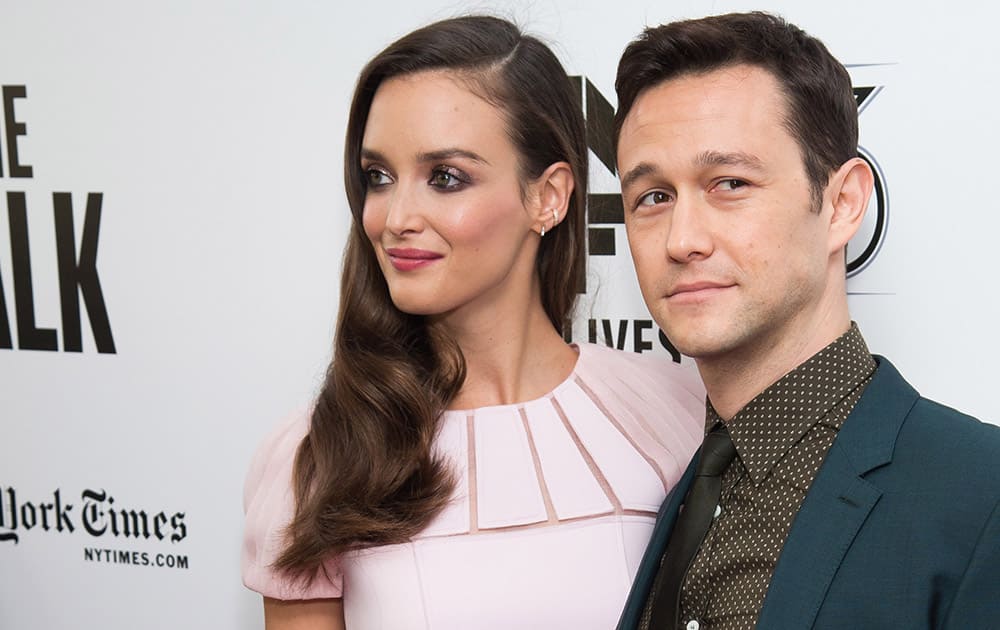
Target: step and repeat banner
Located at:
point(172, 220)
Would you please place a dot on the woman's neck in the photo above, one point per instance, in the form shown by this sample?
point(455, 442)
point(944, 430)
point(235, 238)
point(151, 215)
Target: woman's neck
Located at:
point(511, 355)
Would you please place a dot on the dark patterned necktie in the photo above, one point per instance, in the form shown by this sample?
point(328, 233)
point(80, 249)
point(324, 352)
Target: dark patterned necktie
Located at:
point(692, 524)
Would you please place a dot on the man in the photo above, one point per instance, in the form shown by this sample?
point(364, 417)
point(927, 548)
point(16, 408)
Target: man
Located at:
point(829, 494)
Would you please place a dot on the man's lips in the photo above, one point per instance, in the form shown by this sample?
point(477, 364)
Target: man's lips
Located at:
point(696, 290)
point(408, 259)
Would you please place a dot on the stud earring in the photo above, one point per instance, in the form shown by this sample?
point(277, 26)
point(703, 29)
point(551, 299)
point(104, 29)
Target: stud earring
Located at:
point(543, 230)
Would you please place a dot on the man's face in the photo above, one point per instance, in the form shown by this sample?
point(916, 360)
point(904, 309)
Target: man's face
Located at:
point(730, 252)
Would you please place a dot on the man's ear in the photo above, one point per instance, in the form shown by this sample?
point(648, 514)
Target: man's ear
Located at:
point(848, 192)
point(551, 194)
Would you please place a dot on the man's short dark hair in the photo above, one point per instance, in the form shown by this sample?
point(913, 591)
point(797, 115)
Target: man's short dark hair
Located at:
point(822, 114)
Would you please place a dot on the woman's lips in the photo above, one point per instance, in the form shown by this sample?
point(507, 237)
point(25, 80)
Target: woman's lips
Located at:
point(408, 259)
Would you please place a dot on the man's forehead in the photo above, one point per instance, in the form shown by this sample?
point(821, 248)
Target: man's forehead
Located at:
point(699, 90)
point(713, 115)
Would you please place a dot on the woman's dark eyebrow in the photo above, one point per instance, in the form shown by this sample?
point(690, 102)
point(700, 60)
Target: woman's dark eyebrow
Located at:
point(428, 156)
point(444, 154)
point(372, 156)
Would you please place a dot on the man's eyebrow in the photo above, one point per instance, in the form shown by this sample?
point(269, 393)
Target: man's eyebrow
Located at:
point(642, 169)
point(703, 159)
point(735, 158)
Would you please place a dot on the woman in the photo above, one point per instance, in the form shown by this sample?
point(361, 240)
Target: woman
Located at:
point(463, 467)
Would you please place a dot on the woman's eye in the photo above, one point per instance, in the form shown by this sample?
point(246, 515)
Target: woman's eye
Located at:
point(447, 179)
point(653, 198)
point(377, 177)
point(731, 184)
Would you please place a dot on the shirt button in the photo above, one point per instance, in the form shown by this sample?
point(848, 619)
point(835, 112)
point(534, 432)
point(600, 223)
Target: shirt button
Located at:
point(718, 510)
point(693, 625)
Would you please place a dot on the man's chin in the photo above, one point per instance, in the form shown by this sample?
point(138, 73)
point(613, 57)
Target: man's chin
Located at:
point(696, 342)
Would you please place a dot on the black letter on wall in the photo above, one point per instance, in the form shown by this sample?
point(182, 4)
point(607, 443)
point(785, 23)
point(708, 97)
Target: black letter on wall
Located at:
point(6, 342)
point(80, 273)
point(14, 129)
point(28, 336)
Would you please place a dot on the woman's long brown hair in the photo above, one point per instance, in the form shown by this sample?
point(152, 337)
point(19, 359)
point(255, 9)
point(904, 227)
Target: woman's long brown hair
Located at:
point(366, 473)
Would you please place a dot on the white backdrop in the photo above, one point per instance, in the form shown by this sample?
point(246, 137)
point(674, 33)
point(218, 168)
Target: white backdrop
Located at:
point(214, 131)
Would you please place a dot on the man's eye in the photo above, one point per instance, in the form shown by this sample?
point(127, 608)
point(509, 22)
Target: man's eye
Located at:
point(377, 177)
point(654, 198)
point(731, 184)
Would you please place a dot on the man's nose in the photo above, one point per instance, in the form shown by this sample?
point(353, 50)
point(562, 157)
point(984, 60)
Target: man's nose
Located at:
point(689, 237)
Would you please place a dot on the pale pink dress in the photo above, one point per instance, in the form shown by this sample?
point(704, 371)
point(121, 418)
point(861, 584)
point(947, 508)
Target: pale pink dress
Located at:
point(554, 504)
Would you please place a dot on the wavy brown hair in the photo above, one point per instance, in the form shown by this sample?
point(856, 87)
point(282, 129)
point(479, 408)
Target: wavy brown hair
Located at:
point(366, 474)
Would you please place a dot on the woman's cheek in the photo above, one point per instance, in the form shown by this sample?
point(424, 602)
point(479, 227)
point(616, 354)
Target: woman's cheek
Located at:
point(372, 222)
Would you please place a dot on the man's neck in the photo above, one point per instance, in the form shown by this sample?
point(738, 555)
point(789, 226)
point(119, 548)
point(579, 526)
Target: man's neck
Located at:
point(734, 379)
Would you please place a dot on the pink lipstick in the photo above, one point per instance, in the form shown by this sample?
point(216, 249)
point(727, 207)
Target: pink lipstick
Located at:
point(409, 259)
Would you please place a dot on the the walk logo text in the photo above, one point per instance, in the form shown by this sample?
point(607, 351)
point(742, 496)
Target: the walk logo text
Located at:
point(76, 266)
point(96, 514)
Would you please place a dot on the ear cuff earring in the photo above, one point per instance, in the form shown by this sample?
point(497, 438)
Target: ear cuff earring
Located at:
point(555, 219)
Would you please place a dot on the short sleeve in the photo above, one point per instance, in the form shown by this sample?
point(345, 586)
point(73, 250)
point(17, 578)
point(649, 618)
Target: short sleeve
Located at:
point(269, 504)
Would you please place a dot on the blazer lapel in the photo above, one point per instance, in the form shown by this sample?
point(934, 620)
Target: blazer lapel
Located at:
point(838, 503)
point(650, 564)
point(831, 516)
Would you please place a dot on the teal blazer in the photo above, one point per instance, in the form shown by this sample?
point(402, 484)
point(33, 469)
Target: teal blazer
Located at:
point(901, 528)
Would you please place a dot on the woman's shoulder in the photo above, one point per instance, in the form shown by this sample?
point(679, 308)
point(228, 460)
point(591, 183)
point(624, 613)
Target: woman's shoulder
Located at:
point(658, 405)
point(269, 504)
point(656, 376)
point(275, 455)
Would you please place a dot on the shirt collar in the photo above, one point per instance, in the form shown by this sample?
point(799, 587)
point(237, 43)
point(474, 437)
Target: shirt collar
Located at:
point(777, 418)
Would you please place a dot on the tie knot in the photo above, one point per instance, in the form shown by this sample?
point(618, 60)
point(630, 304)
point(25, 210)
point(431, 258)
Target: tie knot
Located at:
point(717, 452)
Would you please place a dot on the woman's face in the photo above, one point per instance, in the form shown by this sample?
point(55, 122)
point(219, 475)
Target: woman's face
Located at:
point(444, 208)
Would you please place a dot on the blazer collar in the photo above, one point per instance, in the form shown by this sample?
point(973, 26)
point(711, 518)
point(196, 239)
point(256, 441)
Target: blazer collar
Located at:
point(868, 436)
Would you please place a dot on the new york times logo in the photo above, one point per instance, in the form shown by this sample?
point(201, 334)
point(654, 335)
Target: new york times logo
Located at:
point(98, 516)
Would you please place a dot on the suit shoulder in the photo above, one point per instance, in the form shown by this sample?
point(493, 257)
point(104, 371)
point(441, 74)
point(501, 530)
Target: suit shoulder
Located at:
point(952, 442)
point(935, 418)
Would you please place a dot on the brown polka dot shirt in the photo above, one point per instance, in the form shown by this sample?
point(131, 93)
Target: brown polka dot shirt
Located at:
point(781, 437)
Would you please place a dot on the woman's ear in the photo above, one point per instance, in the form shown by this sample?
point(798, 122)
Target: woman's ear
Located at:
point(848, 193)
point(551, 194)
